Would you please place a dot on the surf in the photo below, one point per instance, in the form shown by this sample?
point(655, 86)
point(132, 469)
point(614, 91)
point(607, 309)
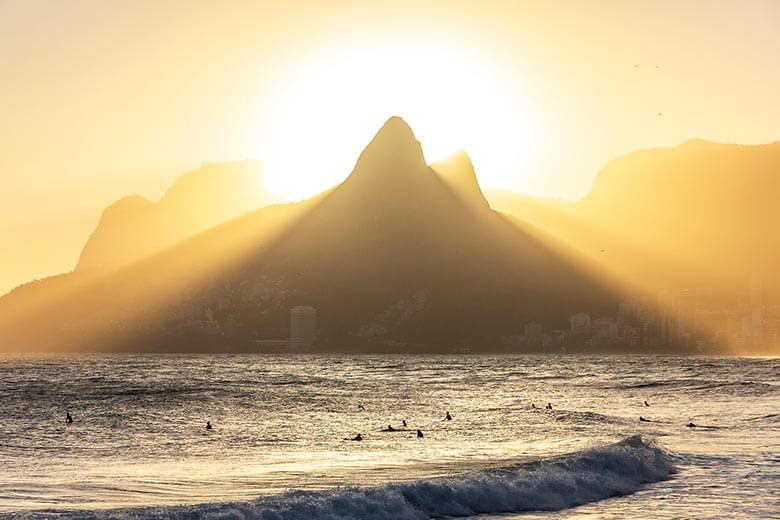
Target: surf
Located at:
point(542, 485)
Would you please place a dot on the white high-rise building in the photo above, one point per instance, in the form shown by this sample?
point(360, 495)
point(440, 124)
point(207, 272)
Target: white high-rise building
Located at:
point(579, 321)
point(303, 325)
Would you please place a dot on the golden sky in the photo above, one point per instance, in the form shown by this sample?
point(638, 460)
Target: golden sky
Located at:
point(103, 99)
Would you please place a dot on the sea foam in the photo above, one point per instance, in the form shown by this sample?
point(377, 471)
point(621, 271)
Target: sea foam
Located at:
point(549, 484)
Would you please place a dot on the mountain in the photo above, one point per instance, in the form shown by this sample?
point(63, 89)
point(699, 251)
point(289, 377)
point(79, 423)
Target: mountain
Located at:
point(134, 227)
point(458, 173)
point(397, 255)
point(710, 209)
point(693, 215)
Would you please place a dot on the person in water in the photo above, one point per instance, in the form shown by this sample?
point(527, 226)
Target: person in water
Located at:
point(646, 404)
point(208, 425)
point(419, 434)
point(404, 423)
point(448, 417)
point(533, 406)
point(642, 419)
point(357, 437)
point(68, 418)
point(390, 428)
point(549, 406)
point(690, 425)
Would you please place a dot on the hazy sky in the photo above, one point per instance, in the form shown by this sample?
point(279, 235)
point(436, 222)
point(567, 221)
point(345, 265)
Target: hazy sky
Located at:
point(102, 99)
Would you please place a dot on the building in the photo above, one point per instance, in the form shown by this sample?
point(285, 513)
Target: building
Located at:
point(579, 321)
point(605, 328)
point(303, 325)
point(686, 304)
point(532, 332)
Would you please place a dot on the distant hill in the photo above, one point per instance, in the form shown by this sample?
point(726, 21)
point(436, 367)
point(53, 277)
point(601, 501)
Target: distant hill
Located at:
point(134, 227)
point(398, 254)
point(711, 208)
point(700, 213)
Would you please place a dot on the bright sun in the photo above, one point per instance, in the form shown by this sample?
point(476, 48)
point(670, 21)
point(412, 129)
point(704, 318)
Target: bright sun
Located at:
point(332, 105)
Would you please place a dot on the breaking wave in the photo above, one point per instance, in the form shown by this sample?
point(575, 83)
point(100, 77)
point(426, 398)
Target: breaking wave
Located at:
point(547, 485)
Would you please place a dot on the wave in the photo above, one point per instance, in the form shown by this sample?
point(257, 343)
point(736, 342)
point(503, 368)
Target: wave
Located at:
point(772, 417)
point(585, 417)
point(544, 485)
point(745, 387)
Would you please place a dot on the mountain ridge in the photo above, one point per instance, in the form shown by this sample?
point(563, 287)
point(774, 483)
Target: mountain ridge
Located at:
point(134, 227)
point(394, 231)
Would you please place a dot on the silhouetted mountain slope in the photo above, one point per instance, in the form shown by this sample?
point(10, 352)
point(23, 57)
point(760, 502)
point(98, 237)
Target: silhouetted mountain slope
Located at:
point(113, 307)
point(710, 207)
point(134, 227)
point(394, 231)
point(698, 214)
point(458, 173)
point(394, 253)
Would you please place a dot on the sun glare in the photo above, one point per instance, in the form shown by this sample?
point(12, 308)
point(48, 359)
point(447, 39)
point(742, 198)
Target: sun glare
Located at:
point(330, 106)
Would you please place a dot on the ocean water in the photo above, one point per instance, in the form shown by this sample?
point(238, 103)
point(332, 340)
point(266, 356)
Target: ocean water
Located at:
point(138, 446)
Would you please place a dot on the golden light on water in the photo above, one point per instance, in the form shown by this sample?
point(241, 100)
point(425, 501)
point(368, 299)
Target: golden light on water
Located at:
point(451, 96)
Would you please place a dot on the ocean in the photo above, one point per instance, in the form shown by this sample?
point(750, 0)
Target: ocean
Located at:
point(138, 446)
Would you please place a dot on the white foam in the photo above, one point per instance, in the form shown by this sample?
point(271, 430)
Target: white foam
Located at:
point(553, 484)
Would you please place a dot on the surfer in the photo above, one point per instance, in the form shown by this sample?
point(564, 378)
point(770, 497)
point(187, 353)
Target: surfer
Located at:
point(361, 407)
point(208, 425)
point(549, 406)
point(357, 437)
point(68, 418)
point(646, 403)
point(390, 428)
point(419, 434)
point(690, 425)
point(404, 423)
point(642, 419)
point(448, 417)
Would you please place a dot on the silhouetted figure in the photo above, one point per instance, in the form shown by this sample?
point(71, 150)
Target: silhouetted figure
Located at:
point(68, 418)
point(533, 406)
point(404, 423)
point(357, 437)
point(419, 434)
point(361, 407)
point(208, 425)
point(390, 428)
point(646, 403)
point(448, 417)
point(690, 425)
point(642, 419)
point(549, 406)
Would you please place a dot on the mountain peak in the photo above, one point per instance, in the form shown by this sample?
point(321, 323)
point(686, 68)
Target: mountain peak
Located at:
point(394, 148)
point(457, 171)
point(396, 125)
point(696, 143)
